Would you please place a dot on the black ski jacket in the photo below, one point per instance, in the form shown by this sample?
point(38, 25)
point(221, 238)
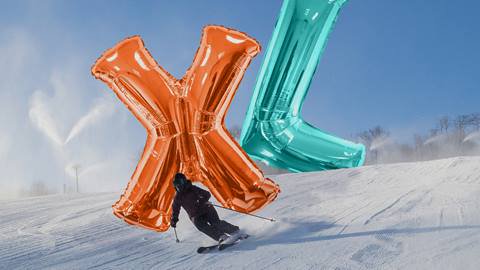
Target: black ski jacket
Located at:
point(193, 200)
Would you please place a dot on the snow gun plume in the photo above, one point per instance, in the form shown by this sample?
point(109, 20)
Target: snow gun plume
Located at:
point(435, 139)
point(102, 109)
point(474, 136)
point(380, 142)
point(41, 118)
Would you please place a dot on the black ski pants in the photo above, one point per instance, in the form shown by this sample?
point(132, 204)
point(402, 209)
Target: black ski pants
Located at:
point(210, 224)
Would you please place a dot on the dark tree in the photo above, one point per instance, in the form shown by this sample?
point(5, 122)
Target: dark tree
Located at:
point(444, 124)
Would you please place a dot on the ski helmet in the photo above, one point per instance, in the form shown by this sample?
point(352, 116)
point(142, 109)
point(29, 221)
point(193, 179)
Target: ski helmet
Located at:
point(180, 182)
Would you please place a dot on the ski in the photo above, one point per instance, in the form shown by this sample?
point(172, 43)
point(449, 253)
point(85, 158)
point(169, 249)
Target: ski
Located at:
point(224, 246)
point(207, 249)
point(221, 247)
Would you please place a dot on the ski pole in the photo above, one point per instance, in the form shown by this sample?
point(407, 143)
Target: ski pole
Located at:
point(176, 237)
point(219, 206)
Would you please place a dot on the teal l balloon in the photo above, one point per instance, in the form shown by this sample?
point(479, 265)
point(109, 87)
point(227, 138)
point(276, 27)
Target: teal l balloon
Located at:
point(274, 130)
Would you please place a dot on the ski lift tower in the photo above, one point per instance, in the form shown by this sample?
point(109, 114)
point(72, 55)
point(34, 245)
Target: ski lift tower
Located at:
point(76, 168)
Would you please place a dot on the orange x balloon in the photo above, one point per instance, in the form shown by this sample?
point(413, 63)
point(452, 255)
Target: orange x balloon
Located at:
point(185, 126)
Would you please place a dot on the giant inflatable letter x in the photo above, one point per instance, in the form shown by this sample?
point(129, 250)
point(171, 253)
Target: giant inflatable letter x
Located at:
point(274, 130)
point(185, 126)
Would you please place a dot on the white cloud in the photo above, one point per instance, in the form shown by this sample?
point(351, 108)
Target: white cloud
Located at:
point(35, 124)
point(4, 146)
point(17, 51)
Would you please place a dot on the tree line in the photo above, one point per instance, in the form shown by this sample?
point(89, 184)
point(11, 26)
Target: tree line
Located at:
point(449, 137)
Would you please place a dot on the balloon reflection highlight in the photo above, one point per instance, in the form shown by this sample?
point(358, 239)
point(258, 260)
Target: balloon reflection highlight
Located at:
point(185, 127)
point(274, 130)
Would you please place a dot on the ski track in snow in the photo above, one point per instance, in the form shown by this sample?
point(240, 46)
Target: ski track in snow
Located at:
point(400, 216)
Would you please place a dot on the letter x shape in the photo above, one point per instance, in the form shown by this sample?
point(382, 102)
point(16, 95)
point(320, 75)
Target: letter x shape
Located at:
point(184, 120)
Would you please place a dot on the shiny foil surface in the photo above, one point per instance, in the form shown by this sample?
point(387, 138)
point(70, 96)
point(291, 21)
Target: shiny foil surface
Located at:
point(184, 120)
point(274, 130)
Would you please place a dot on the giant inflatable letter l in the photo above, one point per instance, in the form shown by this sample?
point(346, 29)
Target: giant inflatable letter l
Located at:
point(274, 131)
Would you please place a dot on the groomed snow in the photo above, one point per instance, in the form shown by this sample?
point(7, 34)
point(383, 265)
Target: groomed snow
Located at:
point(400, 216)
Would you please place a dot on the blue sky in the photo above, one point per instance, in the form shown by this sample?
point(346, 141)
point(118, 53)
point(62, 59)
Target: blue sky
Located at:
point(399, 64)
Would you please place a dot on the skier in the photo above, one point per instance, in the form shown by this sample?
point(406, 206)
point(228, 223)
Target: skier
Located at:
point(203, 215)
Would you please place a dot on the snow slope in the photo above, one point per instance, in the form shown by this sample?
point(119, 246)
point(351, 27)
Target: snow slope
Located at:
point(401, 216)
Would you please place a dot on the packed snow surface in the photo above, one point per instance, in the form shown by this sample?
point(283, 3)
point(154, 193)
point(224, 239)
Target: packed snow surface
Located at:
point(422, 215)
